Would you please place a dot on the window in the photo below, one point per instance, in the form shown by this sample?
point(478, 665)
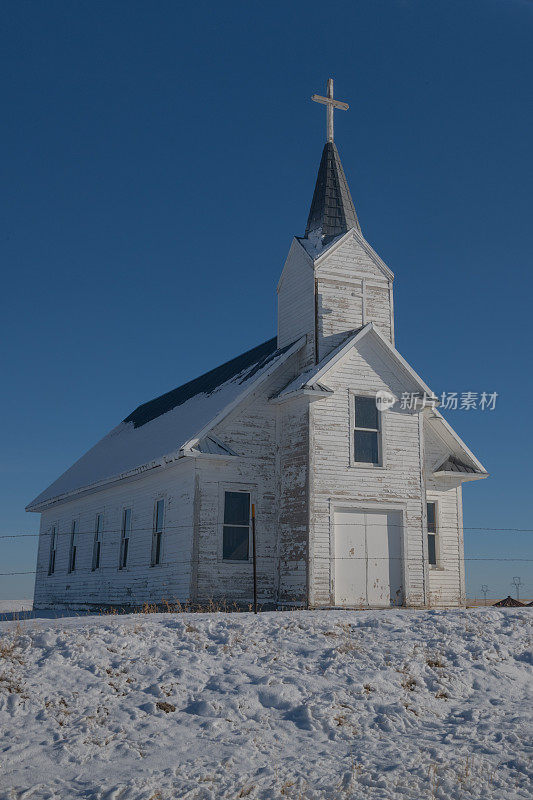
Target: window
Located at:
point(124, 538)
point(367, 429)
point(236, 527)
point(97, 543)
point(432, 533)
point(53, 548)
point(73, 546)
point(159, 515)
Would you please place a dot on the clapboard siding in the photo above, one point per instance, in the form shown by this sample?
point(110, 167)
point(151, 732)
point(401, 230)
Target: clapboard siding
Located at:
point(446, 582)
point(340, 309)
point(270, 473)
point(296, 300)
point(293, 521)
point(139, 582)
point(352, 290)
point(335, 482)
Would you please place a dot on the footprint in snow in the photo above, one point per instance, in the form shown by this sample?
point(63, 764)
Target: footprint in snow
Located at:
point(301, 717)
point(201, 708)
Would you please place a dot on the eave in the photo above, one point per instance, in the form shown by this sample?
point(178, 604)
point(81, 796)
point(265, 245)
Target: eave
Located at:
point(460, 477)
point(305, 391)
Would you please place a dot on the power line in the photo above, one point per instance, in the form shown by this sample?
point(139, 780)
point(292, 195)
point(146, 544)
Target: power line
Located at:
point(261, 558)
point(465, 528)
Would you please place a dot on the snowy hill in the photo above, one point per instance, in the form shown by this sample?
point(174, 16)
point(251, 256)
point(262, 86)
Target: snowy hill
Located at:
point(397, 704)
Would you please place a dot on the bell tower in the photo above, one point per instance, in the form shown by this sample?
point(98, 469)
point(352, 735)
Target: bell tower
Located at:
point(333, 281)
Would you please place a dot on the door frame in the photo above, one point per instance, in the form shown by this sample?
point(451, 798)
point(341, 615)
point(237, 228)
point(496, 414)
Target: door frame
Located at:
point(365, 506)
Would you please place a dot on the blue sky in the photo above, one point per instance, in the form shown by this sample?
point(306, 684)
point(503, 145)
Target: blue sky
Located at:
point(157, 159)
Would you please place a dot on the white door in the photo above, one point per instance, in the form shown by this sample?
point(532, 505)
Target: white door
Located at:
point(350, 558)
point(368, 558)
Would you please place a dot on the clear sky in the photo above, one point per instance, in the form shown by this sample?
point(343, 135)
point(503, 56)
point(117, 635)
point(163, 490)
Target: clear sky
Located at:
point(157, 159)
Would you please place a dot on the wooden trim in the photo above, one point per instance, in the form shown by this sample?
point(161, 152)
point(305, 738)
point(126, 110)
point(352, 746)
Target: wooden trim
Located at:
point(316, 323)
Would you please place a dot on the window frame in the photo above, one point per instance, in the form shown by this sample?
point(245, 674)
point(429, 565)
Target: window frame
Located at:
point(434, 533)
point(52, 551)
point(73, 549)
point(125, 540)
point(241, 489)
point(158, 529)
point(381, 462)
point(97, 541)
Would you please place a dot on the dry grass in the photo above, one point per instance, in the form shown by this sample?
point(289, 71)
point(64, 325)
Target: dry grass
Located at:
point(409, 683)
point(10, 645)
point(11, 660)
point(166, 707)
point(435, 662)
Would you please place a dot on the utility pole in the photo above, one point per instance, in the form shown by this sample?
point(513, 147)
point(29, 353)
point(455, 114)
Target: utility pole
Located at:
point(517, 580)
point(484, 590)
point(254, 558)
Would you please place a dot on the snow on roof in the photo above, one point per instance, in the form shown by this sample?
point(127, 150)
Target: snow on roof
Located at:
point(162, 426)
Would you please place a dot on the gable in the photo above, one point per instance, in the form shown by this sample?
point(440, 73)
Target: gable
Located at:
point(381, 358)
point(352, 256)
point(444, 451)
point(367, 367)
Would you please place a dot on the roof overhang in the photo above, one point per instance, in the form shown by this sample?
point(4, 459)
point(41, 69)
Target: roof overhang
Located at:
point(460, 477)
point(453, 441)
point(315, 392)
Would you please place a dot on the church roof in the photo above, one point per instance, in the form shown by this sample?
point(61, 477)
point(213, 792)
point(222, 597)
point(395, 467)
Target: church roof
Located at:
point(332, 211)
point(154, 433)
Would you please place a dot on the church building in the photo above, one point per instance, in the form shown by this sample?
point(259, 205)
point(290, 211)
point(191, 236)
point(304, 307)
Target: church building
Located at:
point(323, 440)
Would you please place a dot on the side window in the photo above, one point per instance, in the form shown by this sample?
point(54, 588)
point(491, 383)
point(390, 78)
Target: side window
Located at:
point(157, 535)
point(53, 550)
point(97, 543)
point(125, 532)
point(73, 546)
point(432, 533)
point(367, 426)
point(236, 527)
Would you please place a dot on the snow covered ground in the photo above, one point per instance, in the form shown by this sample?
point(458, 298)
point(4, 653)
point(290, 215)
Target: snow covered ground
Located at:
point(391, 704)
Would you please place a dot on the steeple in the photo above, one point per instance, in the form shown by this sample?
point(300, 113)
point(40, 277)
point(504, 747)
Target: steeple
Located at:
point(332, 210)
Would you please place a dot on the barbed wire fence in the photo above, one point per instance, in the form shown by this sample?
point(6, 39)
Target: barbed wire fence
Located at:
point(260, 558)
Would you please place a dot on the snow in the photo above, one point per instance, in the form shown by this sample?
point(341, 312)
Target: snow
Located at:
point(330, 704)
point(127, 449)
point(314, 243)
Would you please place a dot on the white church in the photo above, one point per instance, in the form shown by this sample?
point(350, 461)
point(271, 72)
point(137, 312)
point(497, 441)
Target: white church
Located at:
point(356, 494)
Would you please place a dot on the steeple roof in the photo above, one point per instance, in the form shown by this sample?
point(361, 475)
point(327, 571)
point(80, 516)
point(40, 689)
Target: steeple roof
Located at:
point(332, 211)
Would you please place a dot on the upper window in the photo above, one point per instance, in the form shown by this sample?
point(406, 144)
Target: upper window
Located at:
point(432, 533)
point(53, 549)
point(97, 543)
point(366, 430)
point(73, 546)
point(159, 515)
point(236, 528)
point(125, 538)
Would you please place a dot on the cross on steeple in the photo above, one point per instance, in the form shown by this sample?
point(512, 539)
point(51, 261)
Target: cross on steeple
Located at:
point(331, 105)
